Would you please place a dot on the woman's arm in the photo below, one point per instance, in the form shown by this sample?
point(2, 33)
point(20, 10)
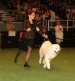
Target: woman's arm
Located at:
point(27, 27)
point(43, 34)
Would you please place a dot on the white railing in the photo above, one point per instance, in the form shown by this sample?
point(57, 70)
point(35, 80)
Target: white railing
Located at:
point(65, 23)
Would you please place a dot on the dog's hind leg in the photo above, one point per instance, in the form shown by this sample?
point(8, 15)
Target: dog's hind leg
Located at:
point(43, 61)
point(44, 64)
point(47, 62)
point(41, 56)
point(40, 60)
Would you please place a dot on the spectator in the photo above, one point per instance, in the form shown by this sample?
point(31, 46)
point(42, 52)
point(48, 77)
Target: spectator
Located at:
point(59, 33)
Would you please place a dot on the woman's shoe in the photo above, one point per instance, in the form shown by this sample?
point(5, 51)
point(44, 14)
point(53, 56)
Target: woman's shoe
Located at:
point(15, 60)
point(26, 65)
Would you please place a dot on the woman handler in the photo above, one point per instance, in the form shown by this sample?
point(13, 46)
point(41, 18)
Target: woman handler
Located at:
point(26, 41)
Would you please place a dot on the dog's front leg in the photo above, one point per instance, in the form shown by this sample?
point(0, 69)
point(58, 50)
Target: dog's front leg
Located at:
point(41, 56)
point(47, 62)
point(44, 64)
point(40, 60)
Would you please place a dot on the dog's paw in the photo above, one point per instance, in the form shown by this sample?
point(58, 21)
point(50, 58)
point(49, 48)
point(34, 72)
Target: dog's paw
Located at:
point(48, 67)
point(39, 62)
point(44, 66)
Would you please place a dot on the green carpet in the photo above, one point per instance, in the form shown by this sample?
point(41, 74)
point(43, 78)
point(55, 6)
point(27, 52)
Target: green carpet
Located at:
point(62, 67)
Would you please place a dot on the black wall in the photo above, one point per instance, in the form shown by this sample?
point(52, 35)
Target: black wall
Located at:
point(12, 42)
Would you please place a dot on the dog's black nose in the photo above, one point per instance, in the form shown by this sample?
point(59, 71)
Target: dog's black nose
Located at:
point(58, 51)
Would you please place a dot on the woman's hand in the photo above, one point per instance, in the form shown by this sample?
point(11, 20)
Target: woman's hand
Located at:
point(28, 29)
point(37, 28)
point(45, 36)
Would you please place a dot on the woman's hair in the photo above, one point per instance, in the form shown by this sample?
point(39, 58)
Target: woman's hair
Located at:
point(30, 12)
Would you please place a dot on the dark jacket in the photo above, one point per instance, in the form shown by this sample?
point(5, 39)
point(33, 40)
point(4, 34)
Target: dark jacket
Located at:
point(30, 34)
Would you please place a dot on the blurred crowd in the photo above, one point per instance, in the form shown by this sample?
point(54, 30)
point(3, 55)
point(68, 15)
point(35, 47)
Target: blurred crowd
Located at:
point(46, 8)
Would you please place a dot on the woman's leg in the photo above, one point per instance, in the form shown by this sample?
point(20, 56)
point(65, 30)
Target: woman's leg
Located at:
point(17, 55)
point(28, 56)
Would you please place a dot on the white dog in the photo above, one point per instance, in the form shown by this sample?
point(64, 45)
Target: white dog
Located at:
point(47, 52)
